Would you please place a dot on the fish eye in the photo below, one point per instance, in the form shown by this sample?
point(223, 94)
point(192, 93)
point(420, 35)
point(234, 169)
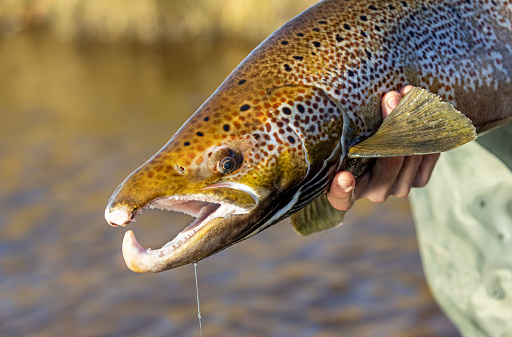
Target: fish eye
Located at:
point(224, 160)
point(226, 165)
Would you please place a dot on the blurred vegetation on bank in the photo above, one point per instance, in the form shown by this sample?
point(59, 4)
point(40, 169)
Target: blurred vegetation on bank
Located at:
point(149, 22)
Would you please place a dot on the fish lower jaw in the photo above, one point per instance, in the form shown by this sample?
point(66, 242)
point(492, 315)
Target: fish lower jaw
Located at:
point(143, 260)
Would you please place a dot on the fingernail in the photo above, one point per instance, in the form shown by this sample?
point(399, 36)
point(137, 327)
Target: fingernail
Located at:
point(393, 101)
point(346, 185)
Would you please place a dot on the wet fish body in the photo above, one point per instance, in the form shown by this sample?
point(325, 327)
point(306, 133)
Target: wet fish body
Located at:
point(303, 105)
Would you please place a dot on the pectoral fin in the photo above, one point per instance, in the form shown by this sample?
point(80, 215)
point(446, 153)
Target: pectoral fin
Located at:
point(421, 124)
point(317, 216)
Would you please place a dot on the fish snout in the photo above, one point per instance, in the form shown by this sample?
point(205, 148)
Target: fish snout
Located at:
point(118, 215)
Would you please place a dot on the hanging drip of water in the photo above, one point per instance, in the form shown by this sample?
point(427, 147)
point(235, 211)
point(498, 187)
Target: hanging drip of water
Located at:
point(198, 306)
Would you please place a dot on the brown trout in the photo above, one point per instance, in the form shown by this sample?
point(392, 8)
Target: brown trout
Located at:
point(305, 104)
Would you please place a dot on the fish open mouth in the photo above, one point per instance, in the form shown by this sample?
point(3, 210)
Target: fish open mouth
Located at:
point(202, 208)
point(204, 211)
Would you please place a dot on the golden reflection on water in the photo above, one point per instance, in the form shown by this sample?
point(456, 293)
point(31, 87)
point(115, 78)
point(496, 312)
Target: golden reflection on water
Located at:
point(78, 118)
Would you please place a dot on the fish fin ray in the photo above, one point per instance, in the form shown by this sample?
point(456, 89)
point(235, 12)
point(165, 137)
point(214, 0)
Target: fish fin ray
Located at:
point(317, 216)
point(421, 124)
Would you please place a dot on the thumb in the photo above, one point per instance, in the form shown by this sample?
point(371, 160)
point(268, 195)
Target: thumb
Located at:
point(341, 195)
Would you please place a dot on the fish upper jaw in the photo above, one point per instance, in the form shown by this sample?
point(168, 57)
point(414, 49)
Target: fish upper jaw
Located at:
point(120, 215)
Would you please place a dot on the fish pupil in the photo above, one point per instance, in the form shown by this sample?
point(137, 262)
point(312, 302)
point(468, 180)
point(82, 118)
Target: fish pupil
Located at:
point(227, 165)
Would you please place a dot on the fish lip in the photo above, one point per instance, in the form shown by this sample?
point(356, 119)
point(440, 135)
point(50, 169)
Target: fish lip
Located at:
point(205, 209)
point(120, 215)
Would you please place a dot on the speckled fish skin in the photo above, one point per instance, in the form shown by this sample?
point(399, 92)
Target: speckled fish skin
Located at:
point(309, 92)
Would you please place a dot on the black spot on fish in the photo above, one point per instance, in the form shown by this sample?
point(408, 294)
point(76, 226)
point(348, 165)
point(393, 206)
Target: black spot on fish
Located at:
point(313, 53)
point(200, 134)
point(284, 43)
point(391, 7)
point(186, 143)
point(300, 34)
point(316, 44)
point(411, 33)
point(350, 73)
point(316, 29)
point(339, 38)
point(256, 136)
point(300, 107)
point(291, 139)
point(363, 34)
point(364, 18)
point(323, 22)
point(242, 82)
point(287, 67)
point(245, 107)
point(372, 7)
point(346, 26)
point(404, 3)
point(206, 119)
point(226, 127)
point(298, 58)
point(424, 8)
point(377, 28)
point(368, 54)
point(287, 111)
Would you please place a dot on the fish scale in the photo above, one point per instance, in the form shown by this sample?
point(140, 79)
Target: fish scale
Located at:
point(300, 107)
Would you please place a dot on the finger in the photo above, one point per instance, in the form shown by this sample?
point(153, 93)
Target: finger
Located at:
point(405, 90)
point(382, 178)
point(425, 170)
point(361, 185)
point(341, 193)
point(389, 101)
point(406, 177)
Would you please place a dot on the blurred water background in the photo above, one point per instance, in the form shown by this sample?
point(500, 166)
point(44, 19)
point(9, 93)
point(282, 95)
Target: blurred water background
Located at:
point(89, 91)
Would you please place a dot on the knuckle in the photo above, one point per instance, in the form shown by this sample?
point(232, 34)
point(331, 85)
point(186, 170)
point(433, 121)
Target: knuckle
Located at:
point(339, 203)
point(393, 163)
point(421, 180)
point(402, 193)
point(378, 198)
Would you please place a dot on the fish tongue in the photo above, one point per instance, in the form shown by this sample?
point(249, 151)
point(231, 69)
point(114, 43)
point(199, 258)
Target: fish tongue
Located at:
point(205, 211)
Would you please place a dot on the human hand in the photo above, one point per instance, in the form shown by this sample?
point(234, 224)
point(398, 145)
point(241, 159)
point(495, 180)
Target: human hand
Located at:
point(389, 176)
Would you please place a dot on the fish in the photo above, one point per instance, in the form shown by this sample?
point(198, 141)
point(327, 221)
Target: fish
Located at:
point(305, 104)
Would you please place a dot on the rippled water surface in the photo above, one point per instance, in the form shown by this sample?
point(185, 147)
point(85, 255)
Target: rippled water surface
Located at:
point(76, 119)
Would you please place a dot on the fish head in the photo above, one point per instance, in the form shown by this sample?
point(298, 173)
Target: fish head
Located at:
point(233, 165)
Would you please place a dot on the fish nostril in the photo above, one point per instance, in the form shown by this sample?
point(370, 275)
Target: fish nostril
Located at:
point(180, 169)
